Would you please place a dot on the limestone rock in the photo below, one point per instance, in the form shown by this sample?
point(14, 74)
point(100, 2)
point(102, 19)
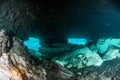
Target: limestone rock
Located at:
point(115, 42)
point(80, 58)
point(92, 58)
point(103, 45)
point(112, 53)
point(109, 48)
point(15, 65)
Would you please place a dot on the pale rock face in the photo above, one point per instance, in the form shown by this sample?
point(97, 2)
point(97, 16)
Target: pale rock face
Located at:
point(9, 71)
point(112, 53)
point(115, 42)
point(109, 48)
point(80, 58)
point(92, 58)
point(103, 45)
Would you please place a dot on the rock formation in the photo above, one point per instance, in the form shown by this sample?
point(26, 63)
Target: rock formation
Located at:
point(15, 63)
point(81, 63)
point(18, 64)
point(4, 42)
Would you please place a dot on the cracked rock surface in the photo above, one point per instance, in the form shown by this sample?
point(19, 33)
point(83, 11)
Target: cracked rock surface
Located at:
point(15, 64)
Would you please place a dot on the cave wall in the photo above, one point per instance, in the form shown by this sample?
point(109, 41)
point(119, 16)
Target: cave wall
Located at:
point(30, 18)
point(55, 20)
point(15, 15)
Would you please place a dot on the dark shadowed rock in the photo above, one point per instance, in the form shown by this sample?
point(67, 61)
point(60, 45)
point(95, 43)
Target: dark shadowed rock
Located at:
point(4, 42)
point(56, 72)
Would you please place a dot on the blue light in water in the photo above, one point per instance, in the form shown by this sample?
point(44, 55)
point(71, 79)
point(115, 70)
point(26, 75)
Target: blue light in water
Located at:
point(32, 43)
point(77, 41)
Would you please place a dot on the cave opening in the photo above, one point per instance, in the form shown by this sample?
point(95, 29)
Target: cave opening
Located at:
point(33, 43)
point(77, 41)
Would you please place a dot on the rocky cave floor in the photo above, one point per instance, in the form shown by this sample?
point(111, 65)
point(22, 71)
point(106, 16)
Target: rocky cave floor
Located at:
point(109, 70)
point(17, 64)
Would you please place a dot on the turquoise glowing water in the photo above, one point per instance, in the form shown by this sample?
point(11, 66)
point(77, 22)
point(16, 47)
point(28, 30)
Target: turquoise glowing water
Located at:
point(33, 43)
point(77, 41)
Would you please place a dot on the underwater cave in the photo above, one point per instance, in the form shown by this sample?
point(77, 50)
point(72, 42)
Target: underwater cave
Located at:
point(59, 39)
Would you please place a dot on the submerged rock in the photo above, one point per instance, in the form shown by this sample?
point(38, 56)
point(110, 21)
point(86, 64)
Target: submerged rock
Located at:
point(103, 45)
point(78, 63)
point(109, 48)
point(80, 58)
point(112, 53)
point(105, 49)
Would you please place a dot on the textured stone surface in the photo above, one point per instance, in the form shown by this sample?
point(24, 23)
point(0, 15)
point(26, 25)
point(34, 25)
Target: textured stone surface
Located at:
point(15, 64)
point(105, 49)
point(108, 71)
point(79, 58)
point(103, 45)
point(112, 53)
point(4, 42)
point(18, 64)
point(56, 72)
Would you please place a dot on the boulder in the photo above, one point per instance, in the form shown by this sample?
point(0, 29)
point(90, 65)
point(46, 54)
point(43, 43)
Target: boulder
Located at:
point(103, 45)
point(112, 53)
point(80, 58)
